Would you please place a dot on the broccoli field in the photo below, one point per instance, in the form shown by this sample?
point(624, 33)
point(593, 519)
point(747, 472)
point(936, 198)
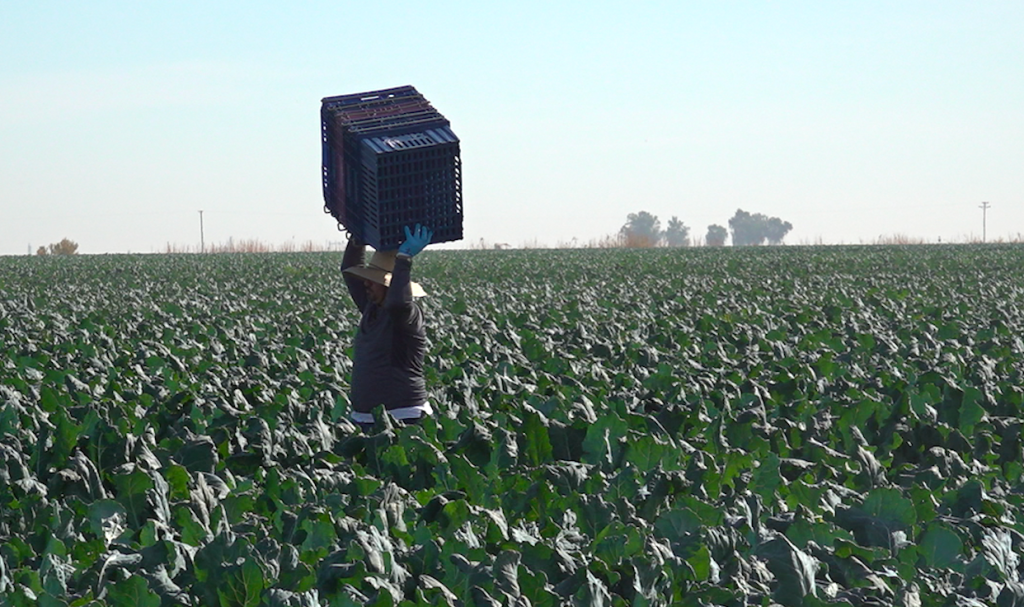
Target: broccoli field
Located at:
point(749, 426)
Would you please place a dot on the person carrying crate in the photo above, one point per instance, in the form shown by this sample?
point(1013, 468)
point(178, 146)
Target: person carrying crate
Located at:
point(390, 343)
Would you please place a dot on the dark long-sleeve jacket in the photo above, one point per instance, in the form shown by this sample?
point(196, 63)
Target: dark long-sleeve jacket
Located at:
point(390, 343)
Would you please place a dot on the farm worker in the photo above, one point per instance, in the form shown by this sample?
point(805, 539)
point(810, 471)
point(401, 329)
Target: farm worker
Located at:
point(390, 342)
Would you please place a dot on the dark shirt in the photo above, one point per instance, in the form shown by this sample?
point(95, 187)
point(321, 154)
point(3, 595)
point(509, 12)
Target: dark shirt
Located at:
point(390, 343)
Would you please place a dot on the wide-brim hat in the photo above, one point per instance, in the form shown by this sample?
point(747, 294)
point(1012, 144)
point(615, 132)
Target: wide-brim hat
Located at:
point(379, 269)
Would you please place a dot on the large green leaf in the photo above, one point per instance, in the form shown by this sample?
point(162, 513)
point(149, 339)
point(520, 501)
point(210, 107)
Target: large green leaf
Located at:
point(107, 519)
point(766, 477)
point(940, 547)
point(593, 593)
point(794, 571)
point(537, 449)
point(997, 548)
point(242, 585)
point(677, 523)
point(890, 505)
point(601, 446)
point(133, 591)
point(971, 410)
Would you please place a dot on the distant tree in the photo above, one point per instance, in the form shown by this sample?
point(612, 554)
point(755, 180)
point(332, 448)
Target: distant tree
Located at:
point(64, 247)
point(716, 236)
point(748, 229)
point(641, 230)
point(776, 230)
point(676, 233)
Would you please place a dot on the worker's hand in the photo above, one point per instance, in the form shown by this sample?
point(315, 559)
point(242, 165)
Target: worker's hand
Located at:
point(415, 240)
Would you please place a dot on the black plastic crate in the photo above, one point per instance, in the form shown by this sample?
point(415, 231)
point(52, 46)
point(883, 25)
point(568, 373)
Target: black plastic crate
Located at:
point(390, 160)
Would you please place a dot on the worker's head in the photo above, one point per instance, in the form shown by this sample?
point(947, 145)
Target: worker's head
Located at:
point(375, 291)
point(376, 276)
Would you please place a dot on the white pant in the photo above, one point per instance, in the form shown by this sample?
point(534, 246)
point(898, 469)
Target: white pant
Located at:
point(414, 412)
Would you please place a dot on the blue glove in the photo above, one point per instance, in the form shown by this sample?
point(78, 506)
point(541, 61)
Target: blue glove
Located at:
point(415, 241)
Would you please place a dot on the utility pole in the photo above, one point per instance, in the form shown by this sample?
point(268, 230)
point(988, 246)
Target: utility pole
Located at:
point(984, 213)
point(202, 238)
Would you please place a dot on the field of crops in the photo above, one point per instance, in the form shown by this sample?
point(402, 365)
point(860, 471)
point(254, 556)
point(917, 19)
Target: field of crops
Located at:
point(802, 426)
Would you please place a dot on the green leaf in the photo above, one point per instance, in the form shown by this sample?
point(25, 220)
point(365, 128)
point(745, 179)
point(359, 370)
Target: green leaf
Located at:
point(538, 443)
point(625, 543)
point(940, 547)
point(534, 584)
point(56, 572)
point(48, 600)
point(497, 527)
point(178, 479)
point(50, 401)
point(675, 524)
point(997, 547)
point(131, 493)
point(9, 421)
point(149, 534)
point(647, 453)
point(971, 411)
point(242, 586)
point(455, 514)
point(193, 532)
point(799, 493)
point(469, 478)
point(702, 563)
point(766, 477)
point(65, 438)
point(593, 593)
point(734, 464)
point(107, 519)
point(433, 592)
point(239, 506)
point(320, 535)
point(396, 459)
point(924, 504)
point(890, 505)
point(906, 563)
point(709, 515)
point(133, 591)
point(823, 534)
point(506, 572)
point(601, 445)
point(793, 569)
point(505, 453)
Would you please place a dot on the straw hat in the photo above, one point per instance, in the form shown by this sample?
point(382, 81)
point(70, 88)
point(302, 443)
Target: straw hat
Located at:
point(379, 269)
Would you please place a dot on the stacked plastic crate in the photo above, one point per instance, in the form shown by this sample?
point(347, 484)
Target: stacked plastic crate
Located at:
point(390, 160)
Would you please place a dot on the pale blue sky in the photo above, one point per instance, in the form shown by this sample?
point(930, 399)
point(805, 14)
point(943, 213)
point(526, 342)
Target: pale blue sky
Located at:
point(119, 121)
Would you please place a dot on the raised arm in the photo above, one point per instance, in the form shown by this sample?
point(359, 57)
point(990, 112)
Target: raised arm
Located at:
point(355, 254)
point(400, 291)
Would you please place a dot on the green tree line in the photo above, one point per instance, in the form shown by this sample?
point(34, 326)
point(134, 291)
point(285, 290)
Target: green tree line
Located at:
point(644, 229)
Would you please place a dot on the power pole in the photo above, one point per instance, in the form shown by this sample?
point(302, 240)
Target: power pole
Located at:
point(202, 238)
point(984, 213)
